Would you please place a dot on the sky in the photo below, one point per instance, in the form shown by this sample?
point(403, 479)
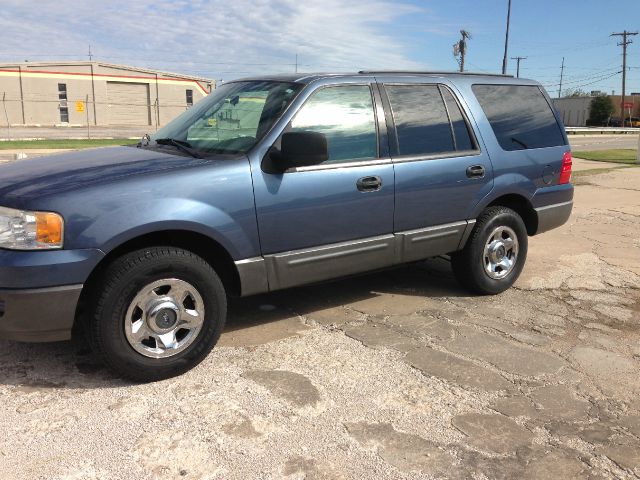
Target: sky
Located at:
point(222, 39)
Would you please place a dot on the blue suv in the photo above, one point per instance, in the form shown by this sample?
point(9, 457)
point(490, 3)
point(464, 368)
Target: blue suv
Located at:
point(271, 183)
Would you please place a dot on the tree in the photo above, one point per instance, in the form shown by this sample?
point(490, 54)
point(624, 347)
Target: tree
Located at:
point(601, 109)
point(575, 92)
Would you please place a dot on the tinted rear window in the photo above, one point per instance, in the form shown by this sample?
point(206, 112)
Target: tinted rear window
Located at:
point(520, 116)
point(422, 124)
point(458, 123)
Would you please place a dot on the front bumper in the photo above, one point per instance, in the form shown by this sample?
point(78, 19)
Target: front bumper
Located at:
point(39, 292)
point(46, 268)
point(38, 315)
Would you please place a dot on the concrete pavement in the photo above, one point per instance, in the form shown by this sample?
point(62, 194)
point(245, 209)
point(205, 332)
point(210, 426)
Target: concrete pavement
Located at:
point(394, 375)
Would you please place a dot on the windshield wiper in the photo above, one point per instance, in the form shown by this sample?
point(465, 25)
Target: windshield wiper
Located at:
point(180, 145)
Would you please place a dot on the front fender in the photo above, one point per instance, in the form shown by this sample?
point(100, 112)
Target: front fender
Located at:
point(112, 228)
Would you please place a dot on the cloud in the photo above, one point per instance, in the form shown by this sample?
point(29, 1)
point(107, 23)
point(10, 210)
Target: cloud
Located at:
point(222, 39)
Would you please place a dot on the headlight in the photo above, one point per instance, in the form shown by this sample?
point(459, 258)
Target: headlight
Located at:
point(20, 230)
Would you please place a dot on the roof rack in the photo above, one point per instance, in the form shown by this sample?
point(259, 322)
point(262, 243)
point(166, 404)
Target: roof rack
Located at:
point(418, 72)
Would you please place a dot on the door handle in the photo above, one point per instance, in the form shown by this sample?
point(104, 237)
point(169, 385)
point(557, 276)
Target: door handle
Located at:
point(475, 171)
point(369, 184)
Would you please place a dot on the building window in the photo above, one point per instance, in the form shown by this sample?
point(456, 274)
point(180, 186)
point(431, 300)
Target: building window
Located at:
point(62, 102)
point(62, 91)
point(189, 98)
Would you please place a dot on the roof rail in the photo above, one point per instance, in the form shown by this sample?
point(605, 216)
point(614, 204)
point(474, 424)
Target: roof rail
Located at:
point(418, 72)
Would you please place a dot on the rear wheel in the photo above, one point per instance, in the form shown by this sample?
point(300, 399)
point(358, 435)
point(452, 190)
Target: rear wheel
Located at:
point(495, 253)
point(158, 313)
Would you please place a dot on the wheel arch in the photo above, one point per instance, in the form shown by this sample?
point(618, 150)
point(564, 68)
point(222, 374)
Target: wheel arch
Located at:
point(522, 206)
point(206, 247)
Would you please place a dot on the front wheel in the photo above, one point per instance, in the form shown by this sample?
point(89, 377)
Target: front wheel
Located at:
point(158, 312)
point(495, 253)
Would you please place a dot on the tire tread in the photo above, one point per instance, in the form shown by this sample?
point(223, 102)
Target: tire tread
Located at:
point(462, 261)
point(111, 280)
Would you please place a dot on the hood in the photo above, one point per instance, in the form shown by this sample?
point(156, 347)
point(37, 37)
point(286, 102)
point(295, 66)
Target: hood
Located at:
point(24, 180)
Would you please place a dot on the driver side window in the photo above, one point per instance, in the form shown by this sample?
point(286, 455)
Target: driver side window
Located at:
point(344, 114)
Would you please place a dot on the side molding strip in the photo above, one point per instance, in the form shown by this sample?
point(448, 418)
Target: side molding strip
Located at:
point(429, 242)
point(299, 267)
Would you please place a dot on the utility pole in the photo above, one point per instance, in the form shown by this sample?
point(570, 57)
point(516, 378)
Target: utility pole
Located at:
point(561, 77)
point(463, 47)
point(460, 48)
point(86, 108)
point(506, 41)
point(296, 63)
point(518, 59)
point(624, 44)
point(90, 55)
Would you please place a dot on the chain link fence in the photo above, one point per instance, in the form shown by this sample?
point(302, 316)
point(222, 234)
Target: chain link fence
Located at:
point(99, 118)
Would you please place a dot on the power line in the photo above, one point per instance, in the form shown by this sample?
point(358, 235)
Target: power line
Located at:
point(583, 79)
point(555, 67)
point(581, 76)
point(597, 80)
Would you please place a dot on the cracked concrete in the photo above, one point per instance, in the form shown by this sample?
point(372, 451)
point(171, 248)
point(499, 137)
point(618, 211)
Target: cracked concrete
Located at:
point(493, 433)
point(394, 375)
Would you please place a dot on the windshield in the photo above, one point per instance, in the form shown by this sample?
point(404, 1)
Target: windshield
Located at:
point(232, 118)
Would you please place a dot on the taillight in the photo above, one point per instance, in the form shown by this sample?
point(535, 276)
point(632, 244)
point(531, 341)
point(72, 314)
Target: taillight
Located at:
point(565, 170)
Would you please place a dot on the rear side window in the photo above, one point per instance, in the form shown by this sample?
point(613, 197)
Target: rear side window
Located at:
point(520, 116)
point(428, 120)
point(460, 128)
point(422, 125)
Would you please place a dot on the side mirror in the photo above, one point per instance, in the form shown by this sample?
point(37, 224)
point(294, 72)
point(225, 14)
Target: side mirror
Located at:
point(299, 149)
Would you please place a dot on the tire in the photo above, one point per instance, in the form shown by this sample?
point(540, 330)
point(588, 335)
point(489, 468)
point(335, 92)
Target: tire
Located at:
point(170, 294)
point(478, 269)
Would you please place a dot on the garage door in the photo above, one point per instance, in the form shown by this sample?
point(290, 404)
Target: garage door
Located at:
point(128, 103)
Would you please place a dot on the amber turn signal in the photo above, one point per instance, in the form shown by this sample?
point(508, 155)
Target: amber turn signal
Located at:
point(49, 228)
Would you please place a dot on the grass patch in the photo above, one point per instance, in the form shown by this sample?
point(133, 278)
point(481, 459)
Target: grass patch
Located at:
point(64, 143)
point(582, 177)
point(627, 156)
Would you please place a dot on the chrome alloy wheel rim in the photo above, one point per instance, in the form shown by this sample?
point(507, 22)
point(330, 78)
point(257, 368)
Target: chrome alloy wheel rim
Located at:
point(164, 318)
point(500, 253)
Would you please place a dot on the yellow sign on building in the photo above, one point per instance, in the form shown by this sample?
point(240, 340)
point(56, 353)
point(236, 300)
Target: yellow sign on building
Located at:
point(79, 106)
